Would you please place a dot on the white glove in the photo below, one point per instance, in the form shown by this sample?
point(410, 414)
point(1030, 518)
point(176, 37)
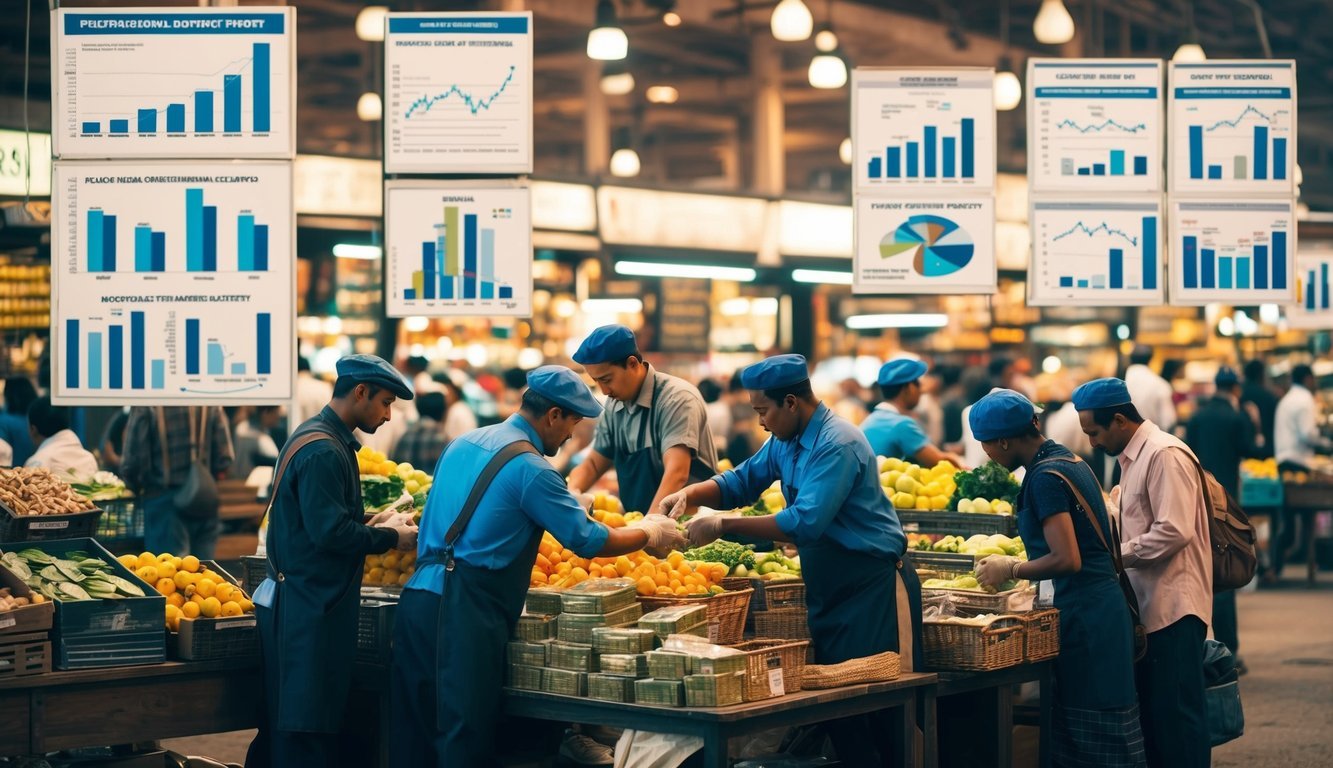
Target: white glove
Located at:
point(673, 504)
point(662, 533)
point(406, 529)
point(704, 530)
point(994, 570)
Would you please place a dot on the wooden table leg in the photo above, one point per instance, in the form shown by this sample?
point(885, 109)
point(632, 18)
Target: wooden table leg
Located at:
point(1004, 726)
point(1046, 710)
point(929, 726)
point(715, 748)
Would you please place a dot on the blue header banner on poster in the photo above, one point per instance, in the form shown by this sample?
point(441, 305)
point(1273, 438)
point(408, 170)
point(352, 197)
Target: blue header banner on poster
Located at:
point(462, 25)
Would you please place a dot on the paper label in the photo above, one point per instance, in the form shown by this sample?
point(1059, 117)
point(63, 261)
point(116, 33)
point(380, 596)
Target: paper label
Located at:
point(714, 630)
point(8, 622)
point(775, 685)
point(48, 525)
point(240, 622)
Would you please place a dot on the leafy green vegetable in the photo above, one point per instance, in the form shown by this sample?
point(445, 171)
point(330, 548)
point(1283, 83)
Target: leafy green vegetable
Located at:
point(376, 491)
point(988, 481)
point(728, 553)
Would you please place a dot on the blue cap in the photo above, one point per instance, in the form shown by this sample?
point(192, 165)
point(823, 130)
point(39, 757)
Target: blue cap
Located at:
point(901, 371)
point(1002, 413)
point(607, 344)
point(1101, 393)
point(1226, 377)
point(564, 387)
point(375, 370)
point(775, 372)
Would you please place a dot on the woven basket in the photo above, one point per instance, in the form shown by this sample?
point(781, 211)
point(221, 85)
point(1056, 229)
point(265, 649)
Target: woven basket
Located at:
point(870, 669)
point(1041, 634)
point(996, 644)
point(763, 656)
point(980, 602)
point(782, 623)
point(768, 594)
point(726, 612)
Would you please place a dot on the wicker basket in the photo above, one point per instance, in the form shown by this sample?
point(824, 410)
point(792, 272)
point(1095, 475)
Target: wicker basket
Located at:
point(973, 601)
point(768, 594)
point(766, 656)
point(782, 623)
point(726, 612)
point(870, 669)
point(1041, 634)
point(995, 644)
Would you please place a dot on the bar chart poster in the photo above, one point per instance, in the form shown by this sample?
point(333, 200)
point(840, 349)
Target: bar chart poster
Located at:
point(186, 83)
point(172, 282)
point(1313, 310)
point(1239, 252)
point(1096, 253)
point(458, 93)
point(924, 246)
point(1095, 125)
point(1233, 127)
point(926, 128)
point(458, 249)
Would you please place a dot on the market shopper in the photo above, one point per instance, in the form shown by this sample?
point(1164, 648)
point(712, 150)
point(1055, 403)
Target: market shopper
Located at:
point(863, 597)
point(1164, 546)
point(474, 559)
point(889, 429)
point(58, 448)
point(1064, 524)
point(654, 432)
point(1152, 394)
point(307, 607)
point(1296, 440)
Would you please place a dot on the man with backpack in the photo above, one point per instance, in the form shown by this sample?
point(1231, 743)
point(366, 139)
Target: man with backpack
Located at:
point(1164, 519)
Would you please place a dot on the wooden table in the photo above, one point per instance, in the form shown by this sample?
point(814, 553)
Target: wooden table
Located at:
point(1306, 499)
point(716, 725)
point(122, 705)
point(988, 739)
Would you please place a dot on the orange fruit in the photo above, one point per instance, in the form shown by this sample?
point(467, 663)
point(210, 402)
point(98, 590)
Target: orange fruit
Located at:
point(224, 592)
point(165, 570)
point(176, 599)
point(166, 586)
point(190, 610)
point(665, 591)
point(231, 608)
point(682, 591)
point(165, 557)
point(190, 563)
point(182, 579)
point(147, 558)
point(206, 587)
point(148, 573)
point(402, 580)
point(609, 572)
point(646, 586)
point(211, 608)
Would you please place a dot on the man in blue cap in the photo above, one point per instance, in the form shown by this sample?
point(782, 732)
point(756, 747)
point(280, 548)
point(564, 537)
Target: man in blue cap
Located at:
point(1165, 549)
point(655, 430)
point(1222, 436)
point(316, 544)
point(863, 598)
point(889, 429)
point(1065, 527)
point(477, 549)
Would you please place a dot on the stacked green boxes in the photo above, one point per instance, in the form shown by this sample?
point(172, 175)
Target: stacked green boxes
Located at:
point(668, 665)
point(665, 693)
point(677, 619)
point(608, 687)
point(631, 665)
point(713, 690)
point(623, 639)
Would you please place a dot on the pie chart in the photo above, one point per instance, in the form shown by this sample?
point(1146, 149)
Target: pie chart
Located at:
point(938, 246)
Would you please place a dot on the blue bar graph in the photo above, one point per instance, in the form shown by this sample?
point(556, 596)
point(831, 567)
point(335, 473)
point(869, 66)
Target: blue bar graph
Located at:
point(462, 269)
point(137, 350)
point(231, 103)
point(120, 126)
point(203, 111)
point(92, 127)
point(72, 354)
point(928, 147)
point(191, 347)
point(470, 256)
point(175, 118)
point(935, 156)
point(147, 121)
point(894, 156)
point(260, 88)
point(1149, 250)
point(216, 359)
point(264, 343)
point(159, 374)
point(94, 360)
point(115, 356)
point(1196, 152)
point(1117, 268)
point(1190, 272)
point(105, 364)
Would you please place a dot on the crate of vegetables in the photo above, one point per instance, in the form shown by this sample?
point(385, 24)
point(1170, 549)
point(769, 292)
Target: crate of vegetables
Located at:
point(36, 505)
point(22, 611)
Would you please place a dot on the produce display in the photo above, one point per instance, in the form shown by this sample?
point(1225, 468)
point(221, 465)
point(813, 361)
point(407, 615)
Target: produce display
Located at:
point(770, 502)
point(69, 579)
point(968, 582)
point(384, 482)
point(39, 492)
point(912, 486)
point(391, 569)
point(192, 589)
point(738, 559)
point(1259, 469)
point(980, 545)
point(988, 489)
point(608, 509)
point(102, 486)
point(677, 574)
point(775, 566)
point(9, 601)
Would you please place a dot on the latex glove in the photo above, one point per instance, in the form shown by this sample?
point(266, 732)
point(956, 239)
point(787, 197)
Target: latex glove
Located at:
point(994, 570)
point(663, 536)
point(704, 530)
point(673, 504)
point(406, 529)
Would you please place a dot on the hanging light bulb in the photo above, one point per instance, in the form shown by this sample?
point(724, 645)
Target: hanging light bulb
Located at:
point(1008, 89)
point(1053, 25)
point(370, 107)
point(791, 21)
point(845, 151)
point(1188, 52)
point(671, 19)
point(625, 163)
point(825, 40)
point(370, 23)
point(828, 71)
point(662, 94)
point(616, 79)
point(607, 41)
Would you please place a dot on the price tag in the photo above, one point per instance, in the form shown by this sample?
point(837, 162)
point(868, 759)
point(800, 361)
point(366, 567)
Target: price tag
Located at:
point(47, 525)
point(8, 622)
point(775, 685)
point(240, 622)
point(714, 630)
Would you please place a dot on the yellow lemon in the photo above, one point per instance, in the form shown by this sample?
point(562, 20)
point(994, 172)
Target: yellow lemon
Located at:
point(206, 587)
point(224, 592)
point(190, 563)
point(129, 561)
point(148, 573)
point(176, 599)
point(190, 610)
point(182, 579)
point(166, 586)
point(166, 570)
point(211, 608)
point(147, 558)
point(230, 608)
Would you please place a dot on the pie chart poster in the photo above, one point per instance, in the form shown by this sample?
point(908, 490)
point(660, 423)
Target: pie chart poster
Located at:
point(924, 246)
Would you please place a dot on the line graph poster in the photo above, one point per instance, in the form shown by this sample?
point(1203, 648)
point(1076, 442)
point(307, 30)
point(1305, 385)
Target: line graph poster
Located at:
point(458, 248)
point(1096, 253)
point(1095, 125)
point(458, 93)
point(172, 282)
point(181, 83)
point(924, 246)
point(923, 128)
point(1233, 127)
point(1233, 252)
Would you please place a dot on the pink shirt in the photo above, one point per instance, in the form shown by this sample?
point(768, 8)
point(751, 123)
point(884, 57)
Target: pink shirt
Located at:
point(1164, 530)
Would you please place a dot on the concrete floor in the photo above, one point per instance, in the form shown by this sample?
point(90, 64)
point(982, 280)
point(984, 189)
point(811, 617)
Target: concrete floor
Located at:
point(1286, 638)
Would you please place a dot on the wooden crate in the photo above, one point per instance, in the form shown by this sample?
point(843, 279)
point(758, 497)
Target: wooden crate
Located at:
point(22, 655)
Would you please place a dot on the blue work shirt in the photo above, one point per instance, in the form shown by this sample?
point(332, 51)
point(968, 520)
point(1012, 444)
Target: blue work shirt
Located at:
point(835, 480)
point(527, 496)
point(893, 434)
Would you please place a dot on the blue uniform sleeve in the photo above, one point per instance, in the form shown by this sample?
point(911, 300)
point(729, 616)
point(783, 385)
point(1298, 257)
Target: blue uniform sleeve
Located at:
point(824, 488)
point(742, 485)
point(325, 510)
point(548, 503)
point(911, 438)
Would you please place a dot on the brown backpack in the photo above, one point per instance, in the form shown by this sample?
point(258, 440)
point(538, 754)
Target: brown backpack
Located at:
point(1230, 534)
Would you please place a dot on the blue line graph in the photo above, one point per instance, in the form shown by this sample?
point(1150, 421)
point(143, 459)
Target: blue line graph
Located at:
point(1249, 109)
point(1099, 127)
point(1103, 227)
point(473, 104)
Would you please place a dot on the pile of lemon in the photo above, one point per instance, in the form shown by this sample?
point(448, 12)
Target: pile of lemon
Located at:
point(912, 486)
point(608, 509)
point(372, 462)
point(561, 568)
point(1259, 468)
point(192, 589)
point(391, 569)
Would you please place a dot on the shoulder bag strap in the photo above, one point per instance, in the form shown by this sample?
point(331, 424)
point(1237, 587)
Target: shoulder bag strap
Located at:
point(162, 443)
point(287, 456)
point(1087, 509)
point(483, 482)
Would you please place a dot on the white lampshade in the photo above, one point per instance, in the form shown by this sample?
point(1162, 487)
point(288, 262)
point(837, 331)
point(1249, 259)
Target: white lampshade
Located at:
point(791, 21)
point(617, 84)
point(625, 163)
point(370, 23)
point(370, 107)
point(607, 44)
point(1188, 52)
point(845, 151)
point(827, 71)
point(1008, 90)
point(1053, 24)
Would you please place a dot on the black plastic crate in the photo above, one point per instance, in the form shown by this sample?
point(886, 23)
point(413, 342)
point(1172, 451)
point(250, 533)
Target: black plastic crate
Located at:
point(111, 649)
point(121, 524)
point(374, 631)
point(965, 524)
point(20, 528)
point(222, 637)
point(254, 569)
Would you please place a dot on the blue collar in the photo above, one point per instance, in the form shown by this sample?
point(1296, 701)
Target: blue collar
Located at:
point(339, 428)
point(811, 433)
point(523, 425)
